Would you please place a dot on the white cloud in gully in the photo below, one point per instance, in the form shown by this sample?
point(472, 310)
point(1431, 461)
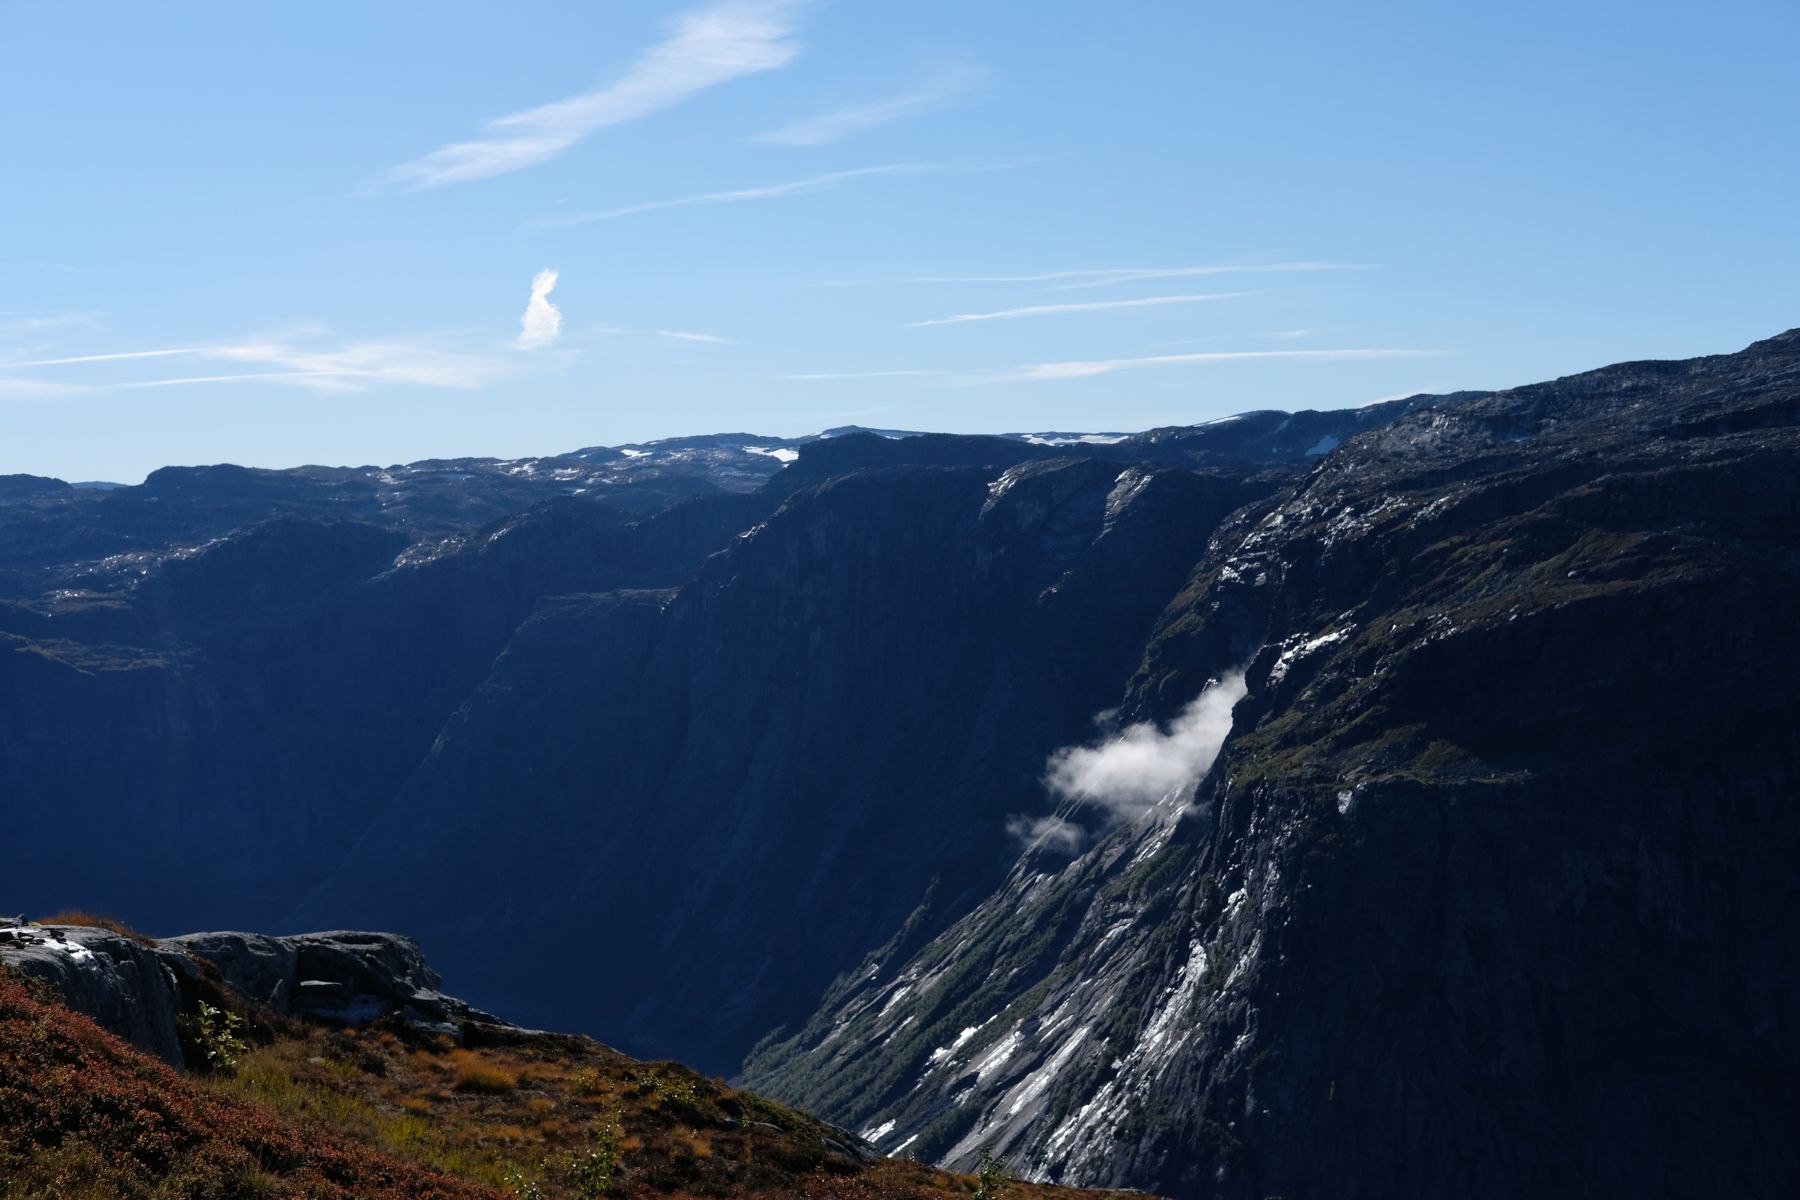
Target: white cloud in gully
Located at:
point(705, 47)
point(1081, 369)
point(541, 323)
point(1046, 310)
point(774, 191)
point(1105, 276)
point(1052, 832)
point(944, 85)
point(1144, 765)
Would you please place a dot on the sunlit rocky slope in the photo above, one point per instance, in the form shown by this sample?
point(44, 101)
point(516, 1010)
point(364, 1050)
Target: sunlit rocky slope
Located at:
point(1490, 892)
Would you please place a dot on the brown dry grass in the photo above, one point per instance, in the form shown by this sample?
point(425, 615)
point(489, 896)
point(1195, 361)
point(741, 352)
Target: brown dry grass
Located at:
point(78, 916)
point(678, 1134)
point(380, 1113)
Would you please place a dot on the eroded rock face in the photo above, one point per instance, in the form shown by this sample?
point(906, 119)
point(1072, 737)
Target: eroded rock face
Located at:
point(1491, 891)
point(134, 990)
point(143, 990)
point(342, 978)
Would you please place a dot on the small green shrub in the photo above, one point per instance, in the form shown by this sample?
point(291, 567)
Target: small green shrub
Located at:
point(591, 1172)
point(219, 1040)
point(521, 1185)
point(670, 1092)
point(990, 1176)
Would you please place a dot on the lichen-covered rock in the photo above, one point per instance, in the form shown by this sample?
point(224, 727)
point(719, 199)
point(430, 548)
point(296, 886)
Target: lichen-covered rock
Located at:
point(133, 989)
point(140, 989)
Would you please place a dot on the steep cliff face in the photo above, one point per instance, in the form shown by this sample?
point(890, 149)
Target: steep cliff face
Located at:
point(230, 724)
point(1490, 891)
point(734, 790)
point(232, 675)
point(1486, 892)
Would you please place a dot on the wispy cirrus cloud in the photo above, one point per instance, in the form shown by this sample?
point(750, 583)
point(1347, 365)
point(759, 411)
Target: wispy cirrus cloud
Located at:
point(705, 47)
point(1081, 369)
point(832, 376)
point(774, 191)
point(30, 322)
point(348, 366)
point(38, 389)
point(680, 335)
point(1106, 276)
point(945, 84)
point(99, 358)
point(1046, 310)
point(541, 323)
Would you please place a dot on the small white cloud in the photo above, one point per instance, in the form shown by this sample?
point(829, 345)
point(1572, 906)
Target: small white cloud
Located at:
point(1045, 310)
point(705, 47)
point(541, 324)
point(1144, 765)
point(944, 85)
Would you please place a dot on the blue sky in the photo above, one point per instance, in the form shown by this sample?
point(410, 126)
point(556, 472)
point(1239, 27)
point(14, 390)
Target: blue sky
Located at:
point(310, 233)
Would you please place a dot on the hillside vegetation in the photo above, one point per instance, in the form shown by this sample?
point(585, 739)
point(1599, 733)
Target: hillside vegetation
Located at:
point(384, 1114)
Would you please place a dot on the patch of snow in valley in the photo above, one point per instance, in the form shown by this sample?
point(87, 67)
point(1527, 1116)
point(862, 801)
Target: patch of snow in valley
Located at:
point(1246, 960)
point(996, 1058)
point(944, 1053)
point(780, 453)
point(1083, 1133)
point(1300, 650)
point(1127, 487)
point(1039, 1080)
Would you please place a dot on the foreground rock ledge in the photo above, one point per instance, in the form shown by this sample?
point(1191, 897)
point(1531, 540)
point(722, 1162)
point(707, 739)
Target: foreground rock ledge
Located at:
point(140, 988)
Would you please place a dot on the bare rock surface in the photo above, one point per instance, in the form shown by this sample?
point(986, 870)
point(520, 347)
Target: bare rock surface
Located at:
point(144, 990)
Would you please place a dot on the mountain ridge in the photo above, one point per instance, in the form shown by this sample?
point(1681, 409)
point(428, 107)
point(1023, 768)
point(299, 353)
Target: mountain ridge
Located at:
point(1518, 689)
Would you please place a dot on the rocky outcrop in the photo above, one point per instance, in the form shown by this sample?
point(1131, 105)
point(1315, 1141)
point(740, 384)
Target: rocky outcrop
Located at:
point(131, 987)
point(148, 991)
point(347, 978)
